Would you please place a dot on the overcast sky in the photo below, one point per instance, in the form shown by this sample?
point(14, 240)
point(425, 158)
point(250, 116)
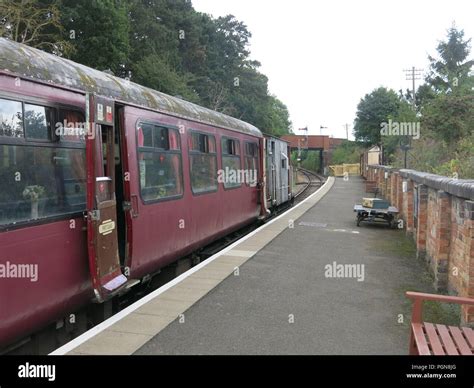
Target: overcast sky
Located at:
point(322, 57)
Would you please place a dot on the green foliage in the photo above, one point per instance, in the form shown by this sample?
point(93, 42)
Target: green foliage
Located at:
point(36, 23)
point(99, 31)
point(162, 44)
point(277, 116)
point(347, 152)
point(444, 108)
point(450, 117)
point(154, 72)
point(309, 159)
point(182, 52)
point(374, 109)
point(450, 72)
point(446, 105)
point(429, 154)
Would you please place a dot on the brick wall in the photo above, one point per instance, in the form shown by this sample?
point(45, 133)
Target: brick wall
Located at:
point(438, 212)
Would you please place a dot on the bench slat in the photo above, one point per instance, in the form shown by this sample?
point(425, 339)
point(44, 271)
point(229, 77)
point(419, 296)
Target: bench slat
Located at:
point(433, 337)
point(469, 333)
point(447, 340)
point(420, 339)
point(461, 343)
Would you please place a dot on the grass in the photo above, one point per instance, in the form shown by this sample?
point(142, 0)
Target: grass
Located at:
point(421, 280)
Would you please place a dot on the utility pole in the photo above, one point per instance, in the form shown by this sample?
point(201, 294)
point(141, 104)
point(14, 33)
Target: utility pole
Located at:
point(413, 75)
point(347, 130)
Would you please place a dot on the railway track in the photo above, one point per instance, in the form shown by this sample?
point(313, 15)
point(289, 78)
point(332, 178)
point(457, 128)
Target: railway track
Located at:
point(314, 181)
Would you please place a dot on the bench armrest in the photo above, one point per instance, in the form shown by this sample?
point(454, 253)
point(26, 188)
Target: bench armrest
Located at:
point(440, 298)
point(419, 297)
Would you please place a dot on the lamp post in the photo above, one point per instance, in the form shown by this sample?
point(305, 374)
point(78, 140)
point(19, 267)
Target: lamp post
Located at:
point(405, 146)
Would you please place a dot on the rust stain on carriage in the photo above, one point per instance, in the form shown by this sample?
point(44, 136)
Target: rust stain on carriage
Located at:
point(35, 64)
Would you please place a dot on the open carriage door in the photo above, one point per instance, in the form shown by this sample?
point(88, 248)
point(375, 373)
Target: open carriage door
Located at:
point(102, 237)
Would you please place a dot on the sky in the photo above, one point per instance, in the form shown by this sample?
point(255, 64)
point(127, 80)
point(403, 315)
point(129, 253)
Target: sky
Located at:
point(322, 57)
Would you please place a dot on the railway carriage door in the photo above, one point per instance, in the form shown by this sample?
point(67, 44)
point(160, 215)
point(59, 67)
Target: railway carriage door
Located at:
point(102, 236)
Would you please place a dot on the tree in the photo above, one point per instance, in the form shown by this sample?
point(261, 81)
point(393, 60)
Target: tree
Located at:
point(451, 70)
point(346, 152)
point(373, 110)
point(35, 23)
point(156, 73)
point(162, 44)
point(448, 100)
point(98, 29)
point(278, 115)
point(450, 117)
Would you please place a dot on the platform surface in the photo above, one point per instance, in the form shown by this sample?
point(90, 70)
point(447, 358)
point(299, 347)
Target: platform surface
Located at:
point(281, 302)
point(309, 282)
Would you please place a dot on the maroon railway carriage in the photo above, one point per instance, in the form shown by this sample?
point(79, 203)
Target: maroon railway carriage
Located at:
point(104, 182)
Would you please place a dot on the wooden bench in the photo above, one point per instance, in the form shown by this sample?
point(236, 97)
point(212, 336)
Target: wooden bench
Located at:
point(434, 339)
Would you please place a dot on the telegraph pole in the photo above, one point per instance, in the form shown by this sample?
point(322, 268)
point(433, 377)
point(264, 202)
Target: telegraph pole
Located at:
point(346, 126)
point(413, 75)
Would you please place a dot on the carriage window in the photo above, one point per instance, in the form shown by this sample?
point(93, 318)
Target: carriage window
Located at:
point(37, 121)
point(71, 126)
point(231, 174)
point(11, 118)
point(251, 163)
point(203, 162)
point(155, 136)
point(160, 164)
point(146, 131)
point(40, 182)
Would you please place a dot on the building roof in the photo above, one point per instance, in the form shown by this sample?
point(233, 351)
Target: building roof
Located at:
point(27, 62)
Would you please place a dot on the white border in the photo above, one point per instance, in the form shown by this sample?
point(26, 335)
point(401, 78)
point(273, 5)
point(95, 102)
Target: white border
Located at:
point(66, 348)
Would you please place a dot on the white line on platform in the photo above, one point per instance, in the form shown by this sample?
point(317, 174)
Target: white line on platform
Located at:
point(71, 345)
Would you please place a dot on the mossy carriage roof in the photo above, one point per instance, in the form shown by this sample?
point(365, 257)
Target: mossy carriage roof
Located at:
point(24, 61)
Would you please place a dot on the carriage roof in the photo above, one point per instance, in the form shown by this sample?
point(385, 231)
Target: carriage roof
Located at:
point(31, 63)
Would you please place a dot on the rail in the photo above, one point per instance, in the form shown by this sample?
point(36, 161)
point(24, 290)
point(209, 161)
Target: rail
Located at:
point(313, 180)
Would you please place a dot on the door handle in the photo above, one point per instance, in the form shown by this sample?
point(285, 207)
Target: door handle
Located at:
point(134, 204)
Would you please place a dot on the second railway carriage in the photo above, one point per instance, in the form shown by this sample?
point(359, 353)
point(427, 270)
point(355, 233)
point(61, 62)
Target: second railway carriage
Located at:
point(278, 172)
point(104, 182)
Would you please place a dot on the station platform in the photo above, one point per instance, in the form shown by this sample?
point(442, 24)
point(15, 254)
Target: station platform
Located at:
point(278, 290)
